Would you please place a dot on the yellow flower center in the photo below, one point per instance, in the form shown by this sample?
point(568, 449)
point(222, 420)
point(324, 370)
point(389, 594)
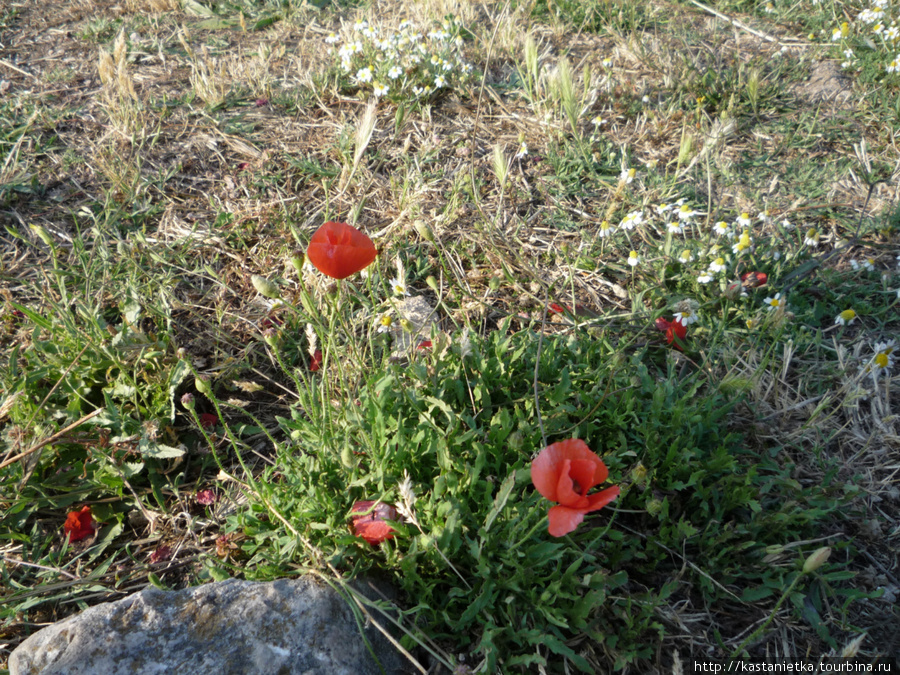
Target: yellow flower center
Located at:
point(881, 360)
point(848, 315)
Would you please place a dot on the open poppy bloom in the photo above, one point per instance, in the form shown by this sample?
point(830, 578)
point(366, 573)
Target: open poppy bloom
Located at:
point(339, 250)
point(754, 279)
point(371, 523)
point(79, 524)
point(675, 331)
point(564, 472)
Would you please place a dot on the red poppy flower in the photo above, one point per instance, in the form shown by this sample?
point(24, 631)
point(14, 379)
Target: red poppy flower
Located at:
point(79, 524)
point(371, 523)
point(339, 250)
point(316, 361)
point(754, 279)
point(424, 344)
point(673, 330)
point(564, 472)
point(557, 309)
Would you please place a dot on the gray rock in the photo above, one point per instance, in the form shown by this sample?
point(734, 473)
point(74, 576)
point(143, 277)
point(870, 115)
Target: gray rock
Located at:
point(289, 627)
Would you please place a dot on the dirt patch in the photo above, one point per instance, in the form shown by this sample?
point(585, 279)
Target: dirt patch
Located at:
point(826, 84)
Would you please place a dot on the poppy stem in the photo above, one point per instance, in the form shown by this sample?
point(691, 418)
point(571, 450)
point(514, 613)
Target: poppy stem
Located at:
point(542, 522)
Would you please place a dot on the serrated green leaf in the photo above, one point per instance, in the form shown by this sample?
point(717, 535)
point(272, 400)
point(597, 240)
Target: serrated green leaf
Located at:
point(156, 450)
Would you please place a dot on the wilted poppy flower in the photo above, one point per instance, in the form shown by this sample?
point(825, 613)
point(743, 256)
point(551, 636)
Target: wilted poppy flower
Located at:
point(564, 472)
point(673, 330)
point(206, 497)
point(316, 362)
point(371, 523)
point(208, 420)
point(754, 279)
point(339, 250)
point(162, 553)
point(79, 524)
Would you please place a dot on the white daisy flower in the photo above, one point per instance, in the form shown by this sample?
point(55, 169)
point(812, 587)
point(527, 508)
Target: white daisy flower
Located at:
point(775, 303)
point(686, 317)
point(606, 229)
point(845, 318)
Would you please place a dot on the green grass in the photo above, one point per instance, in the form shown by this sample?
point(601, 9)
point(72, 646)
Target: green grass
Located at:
point(130, 252)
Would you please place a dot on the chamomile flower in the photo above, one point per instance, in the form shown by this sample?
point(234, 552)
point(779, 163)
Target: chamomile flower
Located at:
point(883, 358)
point(634, 259)
point(745, 243)
point(686, 317)
point(685, 212)
point(845, 318)
point(523, 150)
point(364, 75)
point(704, 278)
point(787, 225)
point(868, 264)
point(332, 38)
point(606, 229)
point(686, 256)
point(439, 82)
point(385, 322)
point(632, 220)
point(812, 237)
point(720, 228)
point(395, 72)
point(775, 303)
point(743, 220)
point(598, 121)
point(675, 226)
point(764, 217)
point(717, 265)
point(398, 286)
point(379, 89)
point(360, 25)
point(627, 176)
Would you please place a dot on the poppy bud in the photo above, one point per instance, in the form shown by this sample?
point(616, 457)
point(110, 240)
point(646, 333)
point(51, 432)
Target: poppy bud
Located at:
point(423, 230)
point(264, 286)
point(297, 260)
point(347, 457)
point(187, 400)
point(816, 559)
point(270, 335)
point(733, 290)
point(432, 283)
point(43, 235)
point(201, 382)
